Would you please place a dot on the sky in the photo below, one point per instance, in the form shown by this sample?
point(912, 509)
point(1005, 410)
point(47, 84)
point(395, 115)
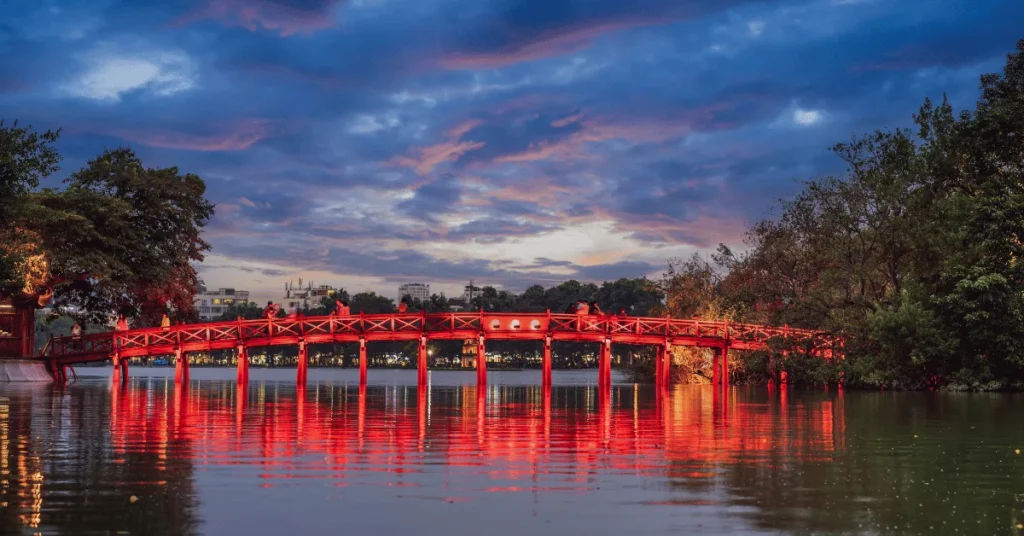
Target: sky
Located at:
point(368, 143)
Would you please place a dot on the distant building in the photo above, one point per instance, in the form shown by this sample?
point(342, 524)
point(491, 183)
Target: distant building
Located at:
point(415, 291)
point(470, 292)
point(299, 297)
point(213, 303)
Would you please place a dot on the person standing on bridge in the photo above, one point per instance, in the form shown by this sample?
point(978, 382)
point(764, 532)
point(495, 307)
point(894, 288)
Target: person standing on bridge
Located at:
point(582, 308)
point(76, 336)
point(341, 308)
point(270, 311)
point(165, 322)
point(122, 323)
point(403, 306)
point(594, 309)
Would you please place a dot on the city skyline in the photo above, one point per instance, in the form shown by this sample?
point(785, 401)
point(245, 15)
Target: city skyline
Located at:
point(377, 142)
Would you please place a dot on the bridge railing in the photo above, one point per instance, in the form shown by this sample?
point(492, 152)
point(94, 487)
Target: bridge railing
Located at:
point(501, 325)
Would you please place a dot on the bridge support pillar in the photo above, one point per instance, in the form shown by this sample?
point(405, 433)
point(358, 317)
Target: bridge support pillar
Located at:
point(243, 364)
point(545, 364)
point(720, 367)
point(604, 365)
point(783, 376)
point(658, 363)
point(725, 366)
point(302, 371)
point(120, 368)
point(421, 362)
point(666, 365)
point(180, 366)
point(481, 361)
point(363, 362)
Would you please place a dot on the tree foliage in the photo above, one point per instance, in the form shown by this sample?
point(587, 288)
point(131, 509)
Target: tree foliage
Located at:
point(118, 237)
point(912, 253)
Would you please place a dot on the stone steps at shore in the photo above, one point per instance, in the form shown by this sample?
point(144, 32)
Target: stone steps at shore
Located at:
point(23, 370)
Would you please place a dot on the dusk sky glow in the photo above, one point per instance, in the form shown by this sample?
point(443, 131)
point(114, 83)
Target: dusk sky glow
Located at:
point(367, 143)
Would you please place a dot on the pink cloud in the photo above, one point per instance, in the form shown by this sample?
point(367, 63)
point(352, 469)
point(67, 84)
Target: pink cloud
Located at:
point(287, 17)
point(566, 121)
point(234, 137)
point(450, 150)
point(564, 41)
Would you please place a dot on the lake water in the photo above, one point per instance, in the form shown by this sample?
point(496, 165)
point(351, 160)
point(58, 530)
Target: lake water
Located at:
point(510, 459)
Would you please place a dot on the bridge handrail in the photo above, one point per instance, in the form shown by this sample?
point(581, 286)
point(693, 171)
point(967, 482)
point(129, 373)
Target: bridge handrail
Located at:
point(426, 323)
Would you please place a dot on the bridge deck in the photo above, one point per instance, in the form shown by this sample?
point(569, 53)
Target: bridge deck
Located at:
point(411, 327)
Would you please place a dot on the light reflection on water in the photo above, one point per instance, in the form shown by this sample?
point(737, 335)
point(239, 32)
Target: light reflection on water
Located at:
point(510, 458)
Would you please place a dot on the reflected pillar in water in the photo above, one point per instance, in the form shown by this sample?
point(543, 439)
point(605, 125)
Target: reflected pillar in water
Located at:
point(421, 414)
point(546, 395)
point(362, 362)
point(421, 363)
point(361, 416)
point(604, 402)
point(481, 410)
point(546, 364)
point(481, 361)
point(303, 366)
point(243, 364)
point(604, 365)
point(180, 366)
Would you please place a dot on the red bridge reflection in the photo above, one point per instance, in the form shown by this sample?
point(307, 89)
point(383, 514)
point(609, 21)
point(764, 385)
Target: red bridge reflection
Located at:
point(519, 437)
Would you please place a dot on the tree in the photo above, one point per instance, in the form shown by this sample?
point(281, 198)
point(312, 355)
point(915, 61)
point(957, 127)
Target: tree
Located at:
point(912, 254)
point(249, 311)
point(26, 157)
point(119, 237)
point(123, 237)
point(638, 297)
point(371, 303)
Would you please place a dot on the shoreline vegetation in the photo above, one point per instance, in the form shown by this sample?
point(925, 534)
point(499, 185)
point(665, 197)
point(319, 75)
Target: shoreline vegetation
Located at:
point(911, 256)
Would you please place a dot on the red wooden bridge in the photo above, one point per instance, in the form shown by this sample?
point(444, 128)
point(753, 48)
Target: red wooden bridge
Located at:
point(241, 335)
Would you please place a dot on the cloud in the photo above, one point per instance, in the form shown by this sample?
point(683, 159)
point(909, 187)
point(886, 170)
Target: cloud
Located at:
point(428, 158)
point(568, 120)
point(430, 199)
point(520, 142)
point(529, 30)
point(807, 117)
point(286, 17)
point(756, 27)
point(111, 73)
point(236, 137)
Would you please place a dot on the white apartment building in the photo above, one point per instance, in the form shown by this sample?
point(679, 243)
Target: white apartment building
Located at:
point(299, 297)
point(213, 303)
point(415, 291)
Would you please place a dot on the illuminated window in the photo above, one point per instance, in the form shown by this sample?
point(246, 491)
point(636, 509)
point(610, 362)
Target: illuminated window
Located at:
point(216, 301)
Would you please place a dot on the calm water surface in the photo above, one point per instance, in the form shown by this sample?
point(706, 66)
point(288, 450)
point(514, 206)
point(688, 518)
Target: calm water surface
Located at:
point(510, 459)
